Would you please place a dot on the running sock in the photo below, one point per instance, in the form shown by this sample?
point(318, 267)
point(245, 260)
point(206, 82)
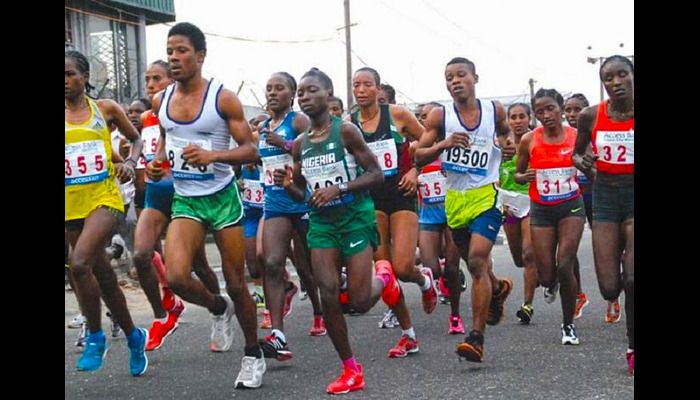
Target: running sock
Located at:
point(253, 351)
point(278, 333)
point(219, 305)
point(259, 289)
point(162, 320)
point(96, 336)
point(133, 339)
point(409, 332)
point(426, 284)
point(351, 364)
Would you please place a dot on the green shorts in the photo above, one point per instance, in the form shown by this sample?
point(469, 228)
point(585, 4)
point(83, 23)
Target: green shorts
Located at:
point(220, 210)
point(349, 228)
point(348, 242)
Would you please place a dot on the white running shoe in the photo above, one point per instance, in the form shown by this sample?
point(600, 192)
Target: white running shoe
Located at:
point(252, 370)
point(568, 334)
point(76, 321)
point(551, 294)
point(222, 329)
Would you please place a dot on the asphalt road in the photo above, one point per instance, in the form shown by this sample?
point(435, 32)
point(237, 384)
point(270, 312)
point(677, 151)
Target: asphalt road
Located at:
point(521, 362)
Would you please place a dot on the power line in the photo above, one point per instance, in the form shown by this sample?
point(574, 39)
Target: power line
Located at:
point(354, 53)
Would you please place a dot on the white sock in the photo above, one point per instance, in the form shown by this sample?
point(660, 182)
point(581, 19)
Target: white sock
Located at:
point(426, 284)
point(279, 334)
point(409, 332)
point(259, 289)
point(162, 320)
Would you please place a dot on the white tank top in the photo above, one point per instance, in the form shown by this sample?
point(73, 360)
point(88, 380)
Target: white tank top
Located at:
point(477, 166)
point(207, 130)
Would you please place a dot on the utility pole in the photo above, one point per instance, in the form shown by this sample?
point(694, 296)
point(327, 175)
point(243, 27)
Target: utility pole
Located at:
point(532, 89)
point(348, 55)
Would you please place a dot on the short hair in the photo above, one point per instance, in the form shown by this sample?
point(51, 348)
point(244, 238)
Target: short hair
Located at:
point(616, 57)
point(164, 65)
point(82, 63)
point(549, 93)
point(145, 102)
point(528, 109)
point(325, 80)
point(390, 91)
point(372, 71)
point(462, 60)
point(339, 100)
point(580, 97)
point(194, 34)
point(290, 81)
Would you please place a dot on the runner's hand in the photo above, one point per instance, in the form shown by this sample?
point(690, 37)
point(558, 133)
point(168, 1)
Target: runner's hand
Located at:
point(322, 196)
point(125, 172)
point(282, 177)
point(508, 150)
point(154, 171)
point(197, 156)
point(409, 183)
point(457, 139)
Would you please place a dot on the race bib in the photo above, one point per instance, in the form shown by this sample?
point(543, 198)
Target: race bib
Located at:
point(271, 163)
point(181, 169)
point(150, 136)
point(432, 187)
point(86, 162)
point(253, 193)
point(385, 151)
point(515, 204)
point(473, 160)
point(323, 176)
point(615, 147)
point(554, 184)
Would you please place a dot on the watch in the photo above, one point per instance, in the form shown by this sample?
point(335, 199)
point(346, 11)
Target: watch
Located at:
point(343, 187)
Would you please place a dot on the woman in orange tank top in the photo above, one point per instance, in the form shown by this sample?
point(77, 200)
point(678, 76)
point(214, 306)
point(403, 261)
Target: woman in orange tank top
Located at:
point(609, 128)
point(557, 213)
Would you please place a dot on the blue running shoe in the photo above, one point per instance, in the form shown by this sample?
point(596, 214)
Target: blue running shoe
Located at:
point(138, 362)
point(93, 354)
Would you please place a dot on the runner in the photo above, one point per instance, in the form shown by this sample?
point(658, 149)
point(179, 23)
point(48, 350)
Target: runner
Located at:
point(283, 216)
point(572, 107)
point(342, 220)
point(335, 107)
point(609, 127)
point(467, 128)
point(386, 128)
point(556, 207)
point(433, 233)
point(199, 118)
point(516, 206)
point(92, 203)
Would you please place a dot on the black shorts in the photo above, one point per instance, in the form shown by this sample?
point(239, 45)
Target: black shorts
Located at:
point(612, 203)
point(541, 215)
point(389, 199)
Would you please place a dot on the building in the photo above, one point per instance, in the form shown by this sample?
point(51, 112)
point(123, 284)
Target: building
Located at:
point(111, 34)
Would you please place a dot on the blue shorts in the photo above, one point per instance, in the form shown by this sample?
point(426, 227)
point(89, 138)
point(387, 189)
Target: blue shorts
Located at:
point(250, 221)
point(487, 224)
point(159, 197)
point(432, 214)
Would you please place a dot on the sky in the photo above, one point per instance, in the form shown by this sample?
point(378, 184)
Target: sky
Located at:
point(409, 42)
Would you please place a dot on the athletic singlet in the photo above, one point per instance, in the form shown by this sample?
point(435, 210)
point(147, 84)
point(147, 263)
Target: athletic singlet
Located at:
point(388, 146)
point(613, 142)
point(478, 165)
point(328, 163)
point(555, 175)
point(89, 172)
point(508, 177)
point(207, 130)
point(150, 133)
point(253, 191)
point(276, 197)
